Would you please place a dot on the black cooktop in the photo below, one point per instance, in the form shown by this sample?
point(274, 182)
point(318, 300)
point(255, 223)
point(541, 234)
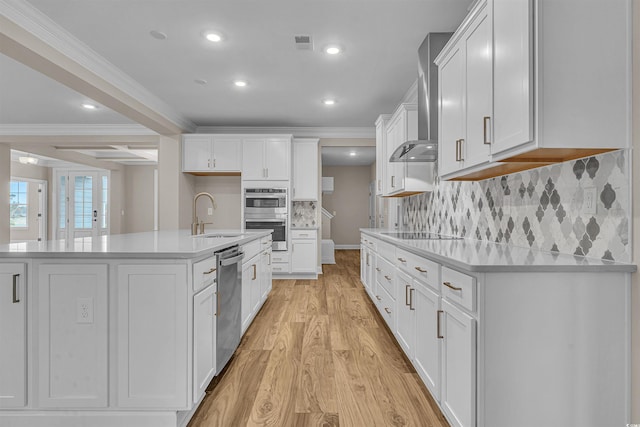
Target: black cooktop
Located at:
point(418, 235)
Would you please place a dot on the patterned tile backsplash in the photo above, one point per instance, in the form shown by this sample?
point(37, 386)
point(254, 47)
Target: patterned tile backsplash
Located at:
point(544, 208)
point(304, 214)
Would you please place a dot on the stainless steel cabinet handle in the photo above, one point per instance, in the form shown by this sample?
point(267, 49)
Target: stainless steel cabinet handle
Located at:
point(420, 270)
point(387, 310)
point(378, 298)
point(461, 156)
point(406, 294)
point(393, 181)
point(402, 260)
point(485, 120)
point(378, 270)
point(254, 272)
point(211, 270)
point(411, 291)
point(214, 162)
point(16, 298)
point(388, 278)
point(457, 150)
point(449, 285)
point(439, 335)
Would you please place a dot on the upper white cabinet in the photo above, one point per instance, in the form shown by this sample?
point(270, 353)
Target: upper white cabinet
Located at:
point(550, 101)
point(381, 159)
point(305, 169)
point(211, 154)
point(266, 158)
point(13, 336)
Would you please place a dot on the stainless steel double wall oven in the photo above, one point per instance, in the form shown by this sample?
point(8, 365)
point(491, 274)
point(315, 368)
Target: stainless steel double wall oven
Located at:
point(267, 209)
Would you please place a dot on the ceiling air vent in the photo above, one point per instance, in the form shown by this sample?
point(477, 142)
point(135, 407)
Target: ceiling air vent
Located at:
point(303, 42)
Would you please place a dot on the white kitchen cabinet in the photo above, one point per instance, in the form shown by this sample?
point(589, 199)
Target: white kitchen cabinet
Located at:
point(266, 158)
point(266, 282)
point(381, 159)
point(152, 336)
point(458, 399)
point(465, 79)
point(72, 335)
point(427, 344)
point(13, 336)
point(305, 169)
point(252, 289)
point(204, 339)
point(406, 314)
point(211, 154)
point(304, 251)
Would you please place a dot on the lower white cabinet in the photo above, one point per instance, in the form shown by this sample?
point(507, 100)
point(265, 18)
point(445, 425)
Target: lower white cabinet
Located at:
point(406, 314)
point(266, 282)
point(72, 336)
point(152, 336)
point(13, 336)
point(458, 399)
point(304, 251)
point(204, 339)
point(256, 285)
point(427, 352)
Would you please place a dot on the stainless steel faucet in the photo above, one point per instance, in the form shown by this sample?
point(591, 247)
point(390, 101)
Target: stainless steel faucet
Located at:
point(195, 224)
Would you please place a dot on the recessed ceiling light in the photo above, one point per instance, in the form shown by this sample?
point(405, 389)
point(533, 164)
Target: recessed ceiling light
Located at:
point(353, 153)
point(158, 35)
point(240, 83)
point(333, 49)
point(28, 160)
point(213, 36)
point(200, 81)
point(89, 106)
point(329, 101)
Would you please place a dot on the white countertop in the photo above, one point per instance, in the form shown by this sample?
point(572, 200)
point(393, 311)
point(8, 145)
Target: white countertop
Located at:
point(483, 256)
point(154, 244)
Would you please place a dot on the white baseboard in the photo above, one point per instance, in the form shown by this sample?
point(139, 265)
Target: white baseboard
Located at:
point(343, 247)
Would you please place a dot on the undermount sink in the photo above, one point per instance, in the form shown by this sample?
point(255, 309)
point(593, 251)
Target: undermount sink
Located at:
point(219, 235)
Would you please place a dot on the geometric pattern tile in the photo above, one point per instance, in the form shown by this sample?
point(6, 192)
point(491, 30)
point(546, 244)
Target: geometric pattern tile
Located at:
point(542, 208)
point(304, 214)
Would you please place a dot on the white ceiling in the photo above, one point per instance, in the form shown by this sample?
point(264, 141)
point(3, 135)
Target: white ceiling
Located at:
point(341, 156)
point(285, 85)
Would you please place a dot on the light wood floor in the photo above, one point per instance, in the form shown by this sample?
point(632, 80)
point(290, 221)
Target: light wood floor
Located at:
point(318, 354)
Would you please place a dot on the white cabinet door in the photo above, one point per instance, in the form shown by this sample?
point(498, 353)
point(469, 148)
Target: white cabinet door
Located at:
point(13, 335)
point(458, 398)
point(304, 255)
point(479, 81)
point(251, 292)
point(395, 170)
point(305, 170)
point(277, 155)
point(196, 153)
point(253, 159)
point(427, 344)
point(152, 349)
point(451, 82)
point(381, 151)
point(406, 314)
point(226, 154)
point(513, 73)
point(72, 335)
point(266, 282)
point(204, 340)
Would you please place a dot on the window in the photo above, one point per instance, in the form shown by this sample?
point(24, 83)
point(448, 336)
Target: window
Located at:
point(18, 204)
point(83, 199)
point(104, 201)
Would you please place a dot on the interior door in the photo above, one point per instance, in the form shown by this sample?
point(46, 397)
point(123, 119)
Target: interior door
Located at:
point(83, 209)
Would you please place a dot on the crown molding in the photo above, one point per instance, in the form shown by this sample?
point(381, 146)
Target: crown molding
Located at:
point(67, 130)
point(297, 132)
point(33, 21)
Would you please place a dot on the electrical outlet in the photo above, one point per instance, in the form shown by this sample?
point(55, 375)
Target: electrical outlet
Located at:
point(590, 200)
point(84, 310)
point(210, 211)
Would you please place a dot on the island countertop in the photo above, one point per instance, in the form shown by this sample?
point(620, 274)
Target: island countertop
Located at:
point(483, 256)
point(154, 244)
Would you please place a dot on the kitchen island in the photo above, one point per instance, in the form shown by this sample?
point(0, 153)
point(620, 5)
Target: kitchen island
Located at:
point(502, 335)
point(118, 330)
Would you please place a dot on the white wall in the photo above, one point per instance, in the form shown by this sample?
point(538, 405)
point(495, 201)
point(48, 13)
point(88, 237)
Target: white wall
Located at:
point(635, 292)
point(5, 178)
point(138, 199)
point(226, 191)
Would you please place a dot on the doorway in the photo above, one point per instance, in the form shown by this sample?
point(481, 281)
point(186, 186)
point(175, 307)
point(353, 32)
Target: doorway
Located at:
point(27, 209)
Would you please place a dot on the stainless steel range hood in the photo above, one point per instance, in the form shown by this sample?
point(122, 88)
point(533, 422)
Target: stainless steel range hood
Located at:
point(425, 148)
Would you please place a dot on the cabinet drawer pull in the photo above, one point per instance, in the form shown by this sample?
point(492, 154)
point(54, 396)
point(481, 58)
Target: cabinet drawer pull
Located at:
point(378, 298)
point(449, 285)
point(16, 298)
point(484, 128)
point(402, 260)
point(378, 270)
point(388, 278)
point(387, 310)
point(406, 294)
point(457, 150)
point(254, 272)
point(393, 181)
point(421, 270)
point(439, 335)
point(211, 270)
point(411, 299)
point(461, 156)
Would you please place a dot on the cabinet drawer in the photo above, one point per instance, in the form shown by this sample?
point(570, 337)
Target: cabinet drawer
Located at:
point(385, 272)
point(303, 234)
point(422, 269)
point(266, 242)
point(386, 306)
point(204, 273)
point(386, 250)
point(251, 249)
point(280, 267)
point(280, 257)
point(372, 243)
point(459, 288)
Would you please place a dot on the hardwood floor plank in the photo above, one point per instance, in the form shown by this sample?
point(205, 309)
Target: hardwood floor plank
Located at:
point(317, 420)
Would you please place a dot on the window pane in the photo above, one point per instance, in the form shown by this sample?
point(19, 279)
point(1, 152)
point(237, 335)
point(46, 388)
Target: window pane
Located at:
point(105, 200)
point(83, 203)
point(18, 204)
point(62, 203)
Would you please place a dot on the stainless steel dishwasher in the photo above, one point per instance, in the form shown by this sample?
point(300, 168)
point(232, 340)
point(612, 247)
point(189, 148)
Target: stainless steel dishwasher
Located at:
point(229, 323)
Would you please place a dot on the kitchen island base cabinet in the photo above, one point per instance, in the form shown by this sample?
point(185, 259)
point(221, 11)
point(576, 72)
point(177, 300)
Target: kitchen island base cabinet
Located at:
point(152, 336)
point(204, 340)
point(13, 336)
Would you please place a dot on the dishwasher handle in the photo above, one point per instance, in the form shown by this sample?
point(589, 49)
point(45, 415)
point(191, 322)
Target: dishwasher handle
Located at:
point(233, 260)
